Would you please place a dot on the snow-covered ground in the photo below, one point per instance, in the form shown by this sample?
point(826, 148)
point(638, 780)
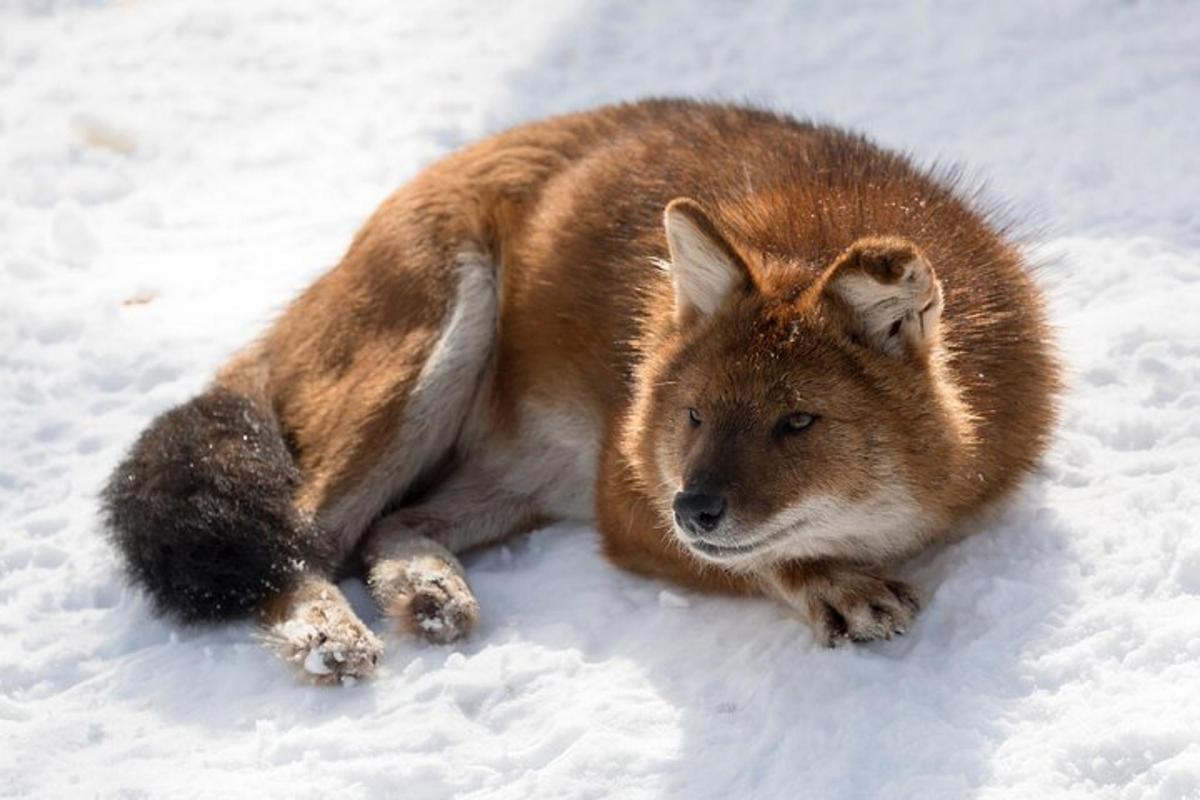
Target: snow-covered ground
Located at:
point(172, 172)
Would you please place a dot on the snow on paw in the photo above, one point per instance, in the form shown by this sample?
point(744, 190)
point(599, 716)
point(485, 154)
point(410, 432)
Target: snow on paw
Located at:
point(328, 644)
point(845, 604)
point(436, 604)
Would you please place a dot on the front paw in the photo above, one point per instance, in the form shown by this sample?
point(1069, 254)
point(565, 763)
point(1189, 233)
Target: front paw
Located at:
point(842, 603)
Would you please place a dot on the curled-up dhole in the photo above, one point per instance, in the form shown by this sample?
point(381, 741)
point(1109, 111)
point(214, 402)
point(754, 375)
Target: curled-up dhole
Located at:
point(764, 356)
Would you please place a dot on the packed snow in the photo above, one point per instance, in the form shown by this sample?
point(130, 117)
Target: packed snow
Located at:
point(172, 172)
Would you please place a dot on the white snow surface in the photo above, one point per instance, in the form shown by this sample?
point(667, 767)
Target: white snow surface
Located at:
point(172, 172)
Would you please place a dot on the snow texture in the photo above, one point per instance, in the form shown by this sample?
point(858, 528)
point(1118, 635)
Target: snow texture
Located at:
point(172, 172)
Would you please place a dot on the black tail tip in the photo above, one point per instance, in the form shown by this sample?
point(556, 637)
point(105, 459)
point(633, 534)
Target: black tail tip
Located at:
point(202, 512)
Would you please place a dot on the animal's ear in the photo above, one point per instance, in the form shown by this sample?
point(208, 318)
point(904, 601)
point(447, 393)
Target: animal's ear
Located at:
point(706, 269)
point(887, 295)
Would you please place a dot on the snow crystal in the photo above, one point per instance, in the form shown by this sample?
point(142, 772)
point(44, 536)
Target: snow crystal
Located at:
point(314, 662)
point(431, 623)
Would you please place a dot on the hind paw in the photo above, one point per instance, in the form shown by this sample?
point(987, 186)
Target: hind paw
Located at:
point(328, 644)
point(421, 585)
point(437, 604)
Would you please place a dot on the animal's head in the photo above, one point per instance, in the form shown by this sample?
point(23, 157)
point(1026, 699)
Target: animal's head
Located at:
point(791, 413)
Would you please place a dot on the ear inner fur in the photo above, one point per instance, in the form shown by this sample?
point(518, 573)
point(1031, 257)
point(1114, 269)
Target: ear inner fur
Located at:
point(705, 267)
point(887, 294)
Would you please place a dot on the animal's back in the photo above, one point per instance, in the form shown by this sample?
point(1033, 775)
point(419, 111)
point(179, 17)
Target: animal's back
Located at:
point(583, 296)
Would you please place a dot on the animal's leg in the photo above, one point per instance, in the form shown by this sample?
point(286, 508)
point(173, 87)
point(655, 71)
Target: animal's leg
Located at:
point(313, 627)
point(412, 570)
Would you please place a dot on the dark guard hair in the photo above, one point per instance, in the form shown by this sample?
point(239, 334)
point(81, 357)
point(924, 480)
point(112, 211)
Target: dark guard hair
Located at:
point(201, 510)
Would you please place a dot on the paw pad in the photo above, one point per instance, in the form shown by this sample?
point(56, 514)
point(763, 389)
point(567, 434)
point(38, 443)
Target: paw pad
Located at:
point(439, 608)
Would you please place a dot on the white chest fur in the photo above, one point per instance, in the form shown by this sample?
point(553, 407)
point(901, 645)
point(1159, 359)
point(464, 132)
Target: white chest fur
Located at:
point(553, 459)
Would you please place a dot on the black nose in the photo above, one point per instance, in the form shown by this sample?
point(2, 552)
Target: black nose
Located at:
point(699, 511)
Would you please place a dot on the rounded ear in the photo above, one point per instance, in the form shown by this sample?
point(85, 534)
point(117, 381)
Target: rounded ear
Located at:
point(888, 294)
point(705, 268)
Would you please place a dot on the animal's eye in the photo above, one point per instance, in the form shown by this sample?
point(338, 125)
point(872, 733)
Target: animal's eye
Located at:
point(693, 418)
point(795, 423)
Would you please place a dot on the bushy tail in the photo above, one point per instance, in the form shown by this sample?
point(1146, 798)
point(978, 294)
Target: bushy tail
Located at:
point(202, 510)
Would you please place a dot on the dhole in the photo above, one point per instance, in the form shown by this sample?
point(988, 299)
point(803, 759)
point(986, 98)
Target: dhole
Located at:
point(764, 356)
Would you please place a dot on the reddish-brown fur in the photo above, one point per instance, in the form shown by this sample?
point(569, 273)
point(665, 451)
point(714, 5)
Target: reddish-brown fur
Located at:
point(570, 213)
